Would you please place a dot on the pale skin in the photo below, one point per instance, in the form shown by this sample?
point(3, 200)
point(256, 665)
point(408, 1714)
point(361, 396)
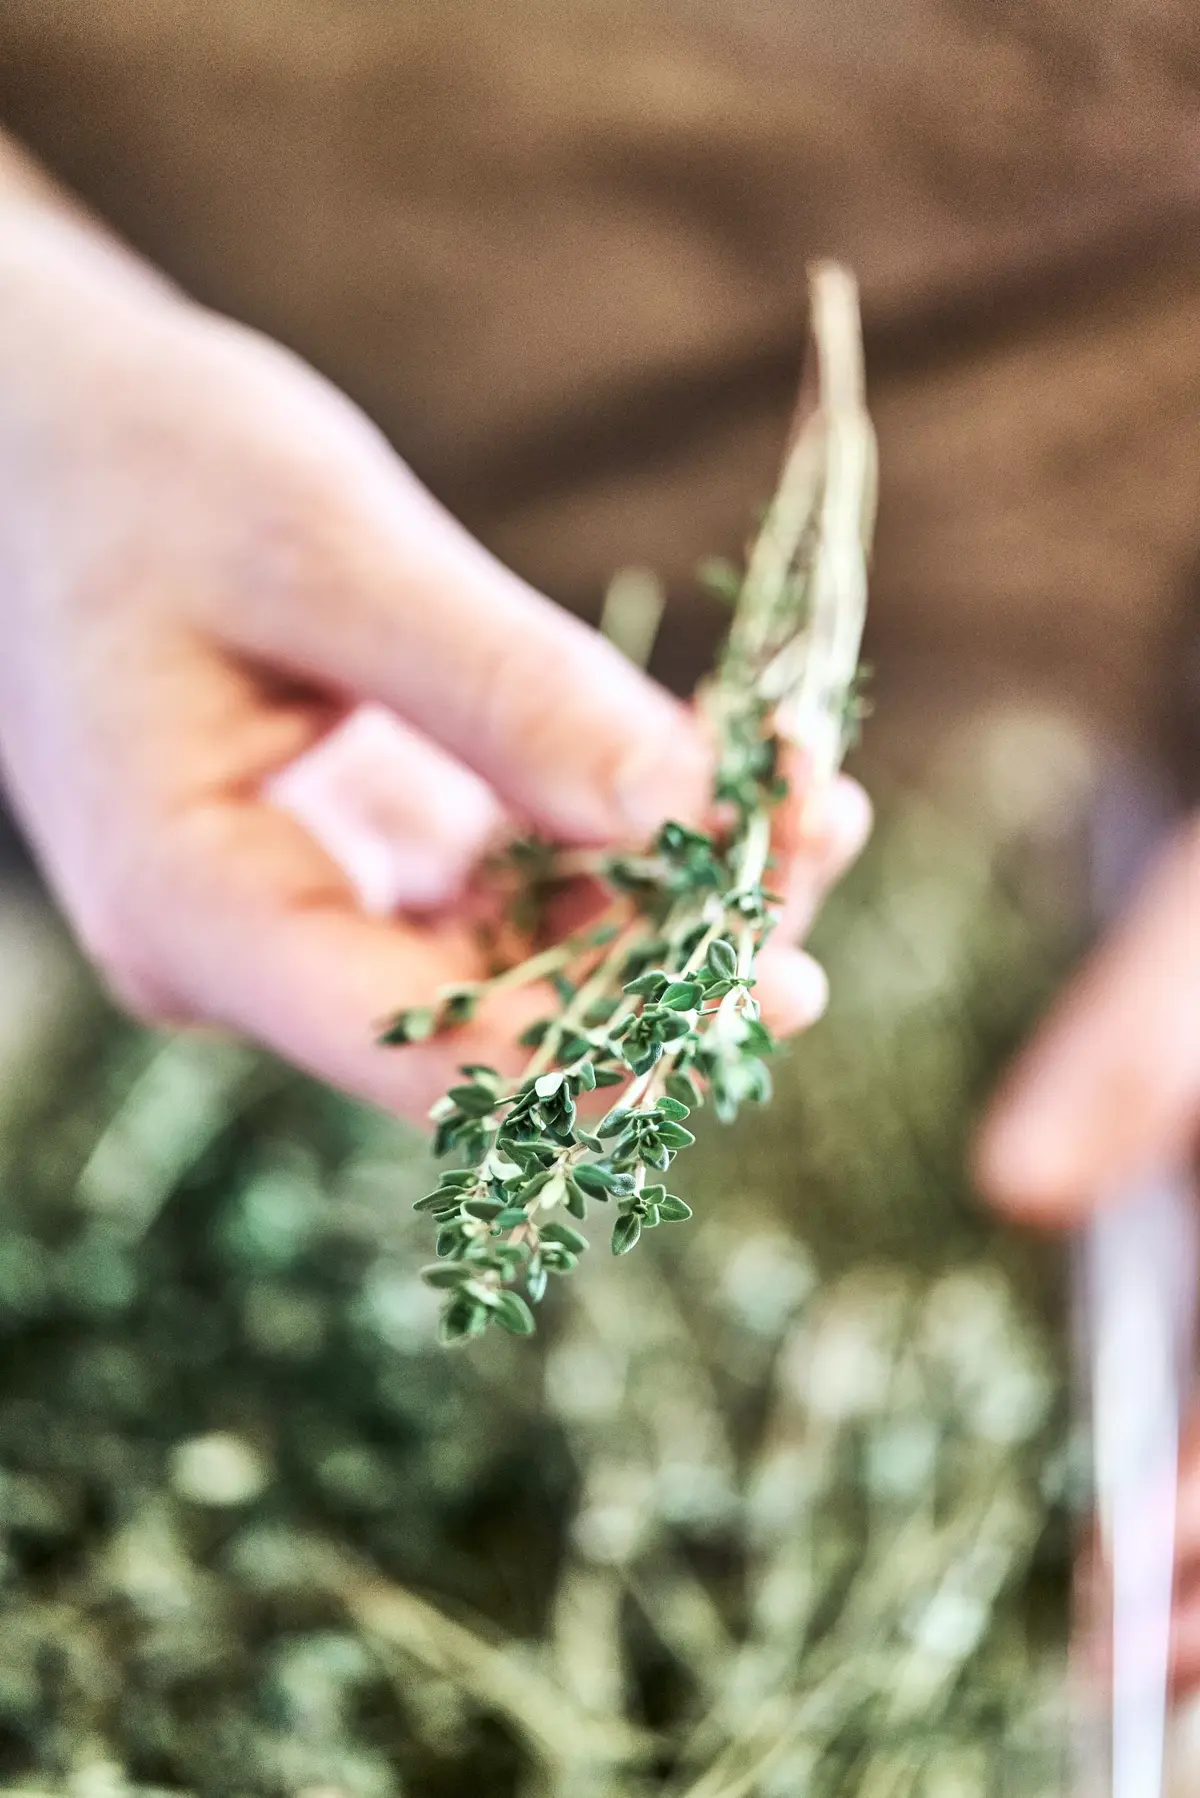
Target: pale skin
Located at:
point(208, 558)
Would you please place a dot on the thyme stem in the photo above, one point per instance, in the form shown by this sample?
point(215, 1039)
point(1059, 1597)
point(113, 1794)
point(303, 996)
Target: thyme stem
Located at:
point(666, 1011)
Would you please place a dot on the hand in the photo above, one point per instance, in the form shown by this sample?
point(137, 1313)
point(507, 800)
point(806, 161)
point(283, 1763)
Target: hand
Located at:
point(1111, 1089)
point(209, 560)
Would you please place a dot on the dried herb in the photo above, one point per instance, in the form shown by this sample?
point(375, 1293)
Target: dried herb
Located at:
point(657, 996)
point(778, 1512)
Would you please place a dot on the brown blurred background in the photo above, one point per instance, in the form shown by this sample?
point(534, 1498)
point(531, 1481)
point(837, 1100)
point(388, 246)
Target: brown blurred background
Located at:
point(557, 251)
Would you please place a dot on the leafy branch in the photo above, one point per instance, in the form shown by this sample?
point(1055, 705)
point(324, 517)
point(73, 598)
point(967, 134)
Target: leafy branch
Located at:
point(657, 996)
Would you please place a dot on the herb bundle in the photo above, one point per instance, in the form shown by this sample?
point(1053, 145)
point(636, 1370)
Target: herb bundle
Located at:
point(656, 996)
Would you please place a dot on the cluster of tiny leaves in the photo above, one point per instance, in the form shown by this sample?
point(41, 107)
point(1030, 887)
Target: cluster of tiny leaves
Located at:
point(656, 1000)
point(660, 1006)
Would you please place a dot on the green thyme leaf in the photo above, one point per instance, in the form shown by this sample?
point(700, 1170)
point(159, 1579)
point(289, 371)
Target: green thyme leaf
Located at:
point(577, 1200)
point(595, 1180)
point(563, 1233)
point(411, 1026)
point(722, 959)
point(462, 1319)
point(513, 1314)
point(626, 1231)
point(557, 1259)
point(648, 985)
point(684, 1090)
point(458, 1005)
point(456, 1179)
point(437, 1201)
point(682, 995)
point(445, 1273)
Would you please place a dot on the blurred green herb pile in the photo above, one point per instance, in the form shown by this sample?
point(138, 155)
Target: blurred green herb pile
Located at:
point(781, 1512)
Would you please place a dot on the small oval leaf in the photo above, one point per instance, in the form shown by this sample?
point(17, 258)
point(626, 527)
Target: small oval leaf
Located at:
point(626, 1232)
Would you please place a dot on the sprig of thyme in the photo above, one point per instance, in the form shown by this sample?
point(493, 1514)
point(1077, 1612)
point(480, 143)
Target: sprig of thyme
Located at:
point(657, 997)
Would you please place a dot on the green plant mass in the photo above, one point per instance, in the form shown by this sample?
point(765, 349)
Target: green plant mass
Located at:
point(655, 998)
point(780, 1506)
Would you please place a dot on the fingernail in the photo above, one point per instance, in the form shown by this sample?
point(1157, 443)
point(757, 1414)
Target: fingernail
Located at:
point(666, 779)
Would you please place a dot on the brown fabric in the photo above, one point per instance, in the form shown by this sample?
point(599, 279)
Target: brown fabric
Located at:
point(557, 250)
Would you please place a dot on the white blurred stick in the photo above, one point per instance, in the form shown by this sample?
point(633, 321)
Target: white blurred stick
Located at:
point(1138, 1271)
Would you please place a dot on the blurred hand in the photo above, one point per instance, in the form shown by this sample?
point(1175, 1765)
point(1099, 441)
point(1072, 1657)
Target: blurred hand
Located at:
point(1111, 1089)
point(208, 560)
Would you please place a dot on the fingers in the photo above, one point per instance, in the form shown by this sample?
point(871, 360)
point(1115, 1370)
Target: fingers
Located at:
point(379, 800)
point(1112, 1084)
point(201, 900)
point(818, 836)
point(423, 620)
point(263, 934)
point(816, 839)
point(792, 989)
point(243, 919)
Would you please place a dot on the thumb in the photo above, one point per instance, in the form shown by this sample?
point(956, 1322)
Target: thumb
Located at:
point(421, 618)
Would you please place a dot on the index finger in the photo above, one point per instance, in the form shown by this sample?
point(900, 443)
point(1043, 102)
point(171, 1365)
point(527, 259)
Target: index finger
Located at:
point(423, 620)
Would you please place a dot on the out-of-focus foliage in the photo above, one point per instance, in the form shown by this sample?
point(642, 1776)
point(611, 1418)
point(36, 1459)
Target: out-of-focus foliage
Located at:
point(776, 1508)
